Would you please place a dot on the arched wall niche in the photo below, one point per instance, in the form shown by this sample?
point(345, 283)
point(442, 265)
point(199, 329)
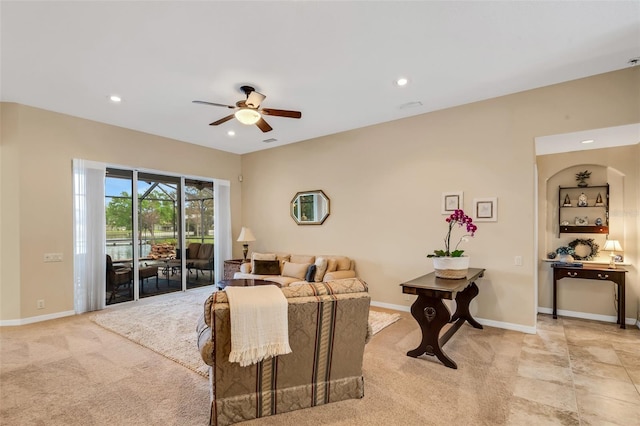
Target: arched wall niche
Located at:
point(600, 175)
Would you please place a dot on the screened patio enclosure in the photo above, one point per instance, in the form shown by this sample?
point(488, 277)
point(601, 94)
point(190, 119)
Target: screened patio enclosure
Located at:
point(149, 234)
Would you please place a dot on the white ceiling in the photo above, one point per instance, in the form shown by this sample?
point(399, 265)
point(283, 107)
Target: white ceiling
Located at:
point(589, 139)
point(334, 61)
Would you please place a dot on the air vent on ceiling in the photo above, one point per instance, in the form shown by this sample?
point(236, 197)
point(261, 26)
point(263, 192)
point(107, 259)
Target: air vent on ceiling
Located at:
point(411, 105)
point(270, 140)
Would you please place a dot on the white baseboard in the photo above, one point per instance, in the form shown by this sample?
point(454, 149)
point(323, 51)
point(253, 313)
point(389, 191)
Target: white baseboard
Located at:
point(589, 316)
point(39, 318)
point(508, 326)
point(401, 308)
point(490, 323)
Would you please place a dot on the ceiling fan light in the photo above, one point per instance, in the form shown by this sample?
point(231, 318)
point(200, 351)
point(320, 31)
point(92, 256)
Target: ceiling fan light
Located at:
point(248, 116)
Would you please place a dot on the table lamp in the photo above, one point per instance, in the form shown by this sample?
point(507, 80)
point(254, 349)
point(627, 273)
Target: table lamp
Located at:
point(612, 246)
point(245, 236)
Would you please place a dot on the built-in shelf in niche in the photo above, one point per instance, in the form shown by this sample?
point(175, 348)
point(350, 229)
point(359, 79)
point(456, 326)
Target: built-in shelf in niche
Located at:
point(580, 207)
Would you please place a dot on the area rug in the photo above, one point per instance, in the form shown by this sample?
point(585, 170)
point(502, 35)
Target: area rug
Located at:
point(166, 324)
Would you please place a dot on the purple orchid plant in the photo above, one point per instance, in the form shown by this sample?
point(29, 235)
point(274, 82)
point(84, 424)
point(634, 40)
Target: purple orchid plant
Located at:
point(459, 218)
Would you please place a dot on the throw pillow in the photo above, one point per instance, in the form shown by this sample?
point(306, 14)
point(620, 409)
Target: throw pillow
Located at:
point(343, 263)
point(302, 258)
point(321, 268)
point(332, 265)
point(261, 256)
point(311, 273)
point(267, 267)
point(295, 270)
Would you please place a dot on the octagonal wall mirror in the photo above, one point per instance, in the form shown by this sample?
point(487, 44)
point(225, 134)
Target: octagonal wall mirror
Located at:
point(310, 207)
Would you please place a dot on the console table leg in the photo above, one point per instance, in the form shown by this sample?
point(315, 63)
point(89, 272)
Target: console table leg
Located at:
point(463, 299)
point(431, 314)
point(555, 296)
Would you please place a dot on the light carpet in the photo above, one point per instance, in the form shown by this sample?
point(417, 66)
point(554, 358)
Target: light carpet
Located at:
point(166, 324)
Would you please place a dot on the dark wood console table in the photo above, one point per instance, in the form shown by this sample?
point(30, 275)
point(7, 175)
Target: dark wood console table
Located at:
point(591, 272)
point(432, 314)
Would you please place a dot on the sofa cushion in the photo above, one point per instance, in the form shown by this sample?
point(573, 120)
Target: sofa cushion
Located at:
point(321, 268)
point(279, 279)
point(302, 258)
point(295, 270)
point(205, 252)
point(261, 256)
point(266, 267)
point(192, 250)
point(332, 265)
point(343, 263)
point(338, 275)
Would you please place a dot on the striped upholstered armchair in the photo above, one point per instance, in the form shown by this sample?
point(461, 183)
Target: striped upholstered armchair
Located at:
point(328, 325)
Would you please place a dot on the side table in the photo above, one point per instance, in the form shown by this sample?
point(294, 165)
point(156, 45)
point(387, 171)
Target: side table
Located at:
point(231, 266)
point(432, 314)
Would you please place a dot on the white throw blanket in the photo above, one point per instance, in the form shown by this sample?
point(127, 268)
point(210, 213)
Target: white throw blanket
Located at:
point(259, 323)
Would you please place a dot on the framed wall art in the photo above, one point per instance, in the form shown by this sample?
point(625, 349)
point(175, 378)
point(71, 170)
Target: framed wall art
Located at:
point(451, 201)
point(485, 209)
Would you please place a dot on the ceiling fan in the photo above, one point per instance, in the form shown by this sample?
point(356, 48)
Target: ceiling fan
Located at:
point(249, 112)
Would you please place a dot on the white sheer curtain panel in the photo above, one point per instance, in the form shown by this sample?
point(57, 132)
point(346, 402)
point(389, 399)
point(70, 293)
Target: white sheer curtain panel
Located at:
point(222, 249)
point(89, 253)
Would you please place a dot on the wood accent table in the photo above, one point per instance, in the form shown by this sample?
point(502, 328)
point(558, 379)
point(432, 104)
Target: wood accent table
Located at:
point(591, 272)
point(432, 314)
point(244, 282)
point(231, 267)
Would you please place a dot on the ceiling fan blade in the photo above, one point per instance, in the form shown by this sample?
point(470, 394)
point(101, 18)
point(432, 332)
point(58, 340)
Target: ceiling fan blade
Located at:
point(254, 99)
point(222, 120)
point(263, 125)
point(213, 103)
point(281, 112)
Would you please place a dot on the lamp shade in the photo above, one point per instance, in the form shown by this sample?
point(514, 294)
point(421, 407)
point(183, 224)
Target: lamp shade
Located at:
point(246, 235)
point(612, 245)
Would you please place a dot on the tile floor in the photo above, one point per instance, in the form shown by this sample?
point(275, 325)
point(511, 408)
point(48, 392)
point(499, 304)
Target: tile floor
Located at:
point(578, 372)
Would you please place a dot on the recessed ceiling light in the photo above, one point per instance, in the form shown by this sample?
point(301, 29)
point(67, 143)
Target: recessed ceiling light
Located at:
point(115, 98)
point(231, 133)
point(587, 141)
point(402, 82)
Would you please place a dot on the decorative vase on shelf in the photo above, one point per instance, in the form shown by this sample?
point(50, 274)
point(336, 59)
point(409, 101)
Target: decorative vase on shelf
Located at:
point(452, 268)
point(565, 258)
point(582, 200)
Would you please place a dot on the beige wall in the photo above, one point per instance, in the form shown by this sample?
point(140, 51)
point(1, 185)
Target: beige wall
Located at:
point(385, 184)
point(36, 211)
point(620, 168)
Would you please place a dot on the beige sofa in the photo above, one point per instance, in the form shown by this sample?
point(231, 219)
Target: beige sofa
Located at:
point(328, 326)
point(293, 268)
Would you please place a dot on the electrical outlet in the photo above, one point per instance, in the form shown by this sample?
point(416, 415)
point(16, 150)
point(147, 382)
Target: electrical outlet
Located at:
point(40, 304)
point(517, 260)
point(407, 297)
point(53, 257)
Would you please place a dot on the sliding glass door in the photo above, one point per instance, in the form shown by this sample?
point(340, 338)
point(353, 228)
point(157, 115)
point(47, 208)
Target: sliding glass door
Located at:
point(161, 240)
point(119, 235)
point(158, 239)
point(199, 230)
